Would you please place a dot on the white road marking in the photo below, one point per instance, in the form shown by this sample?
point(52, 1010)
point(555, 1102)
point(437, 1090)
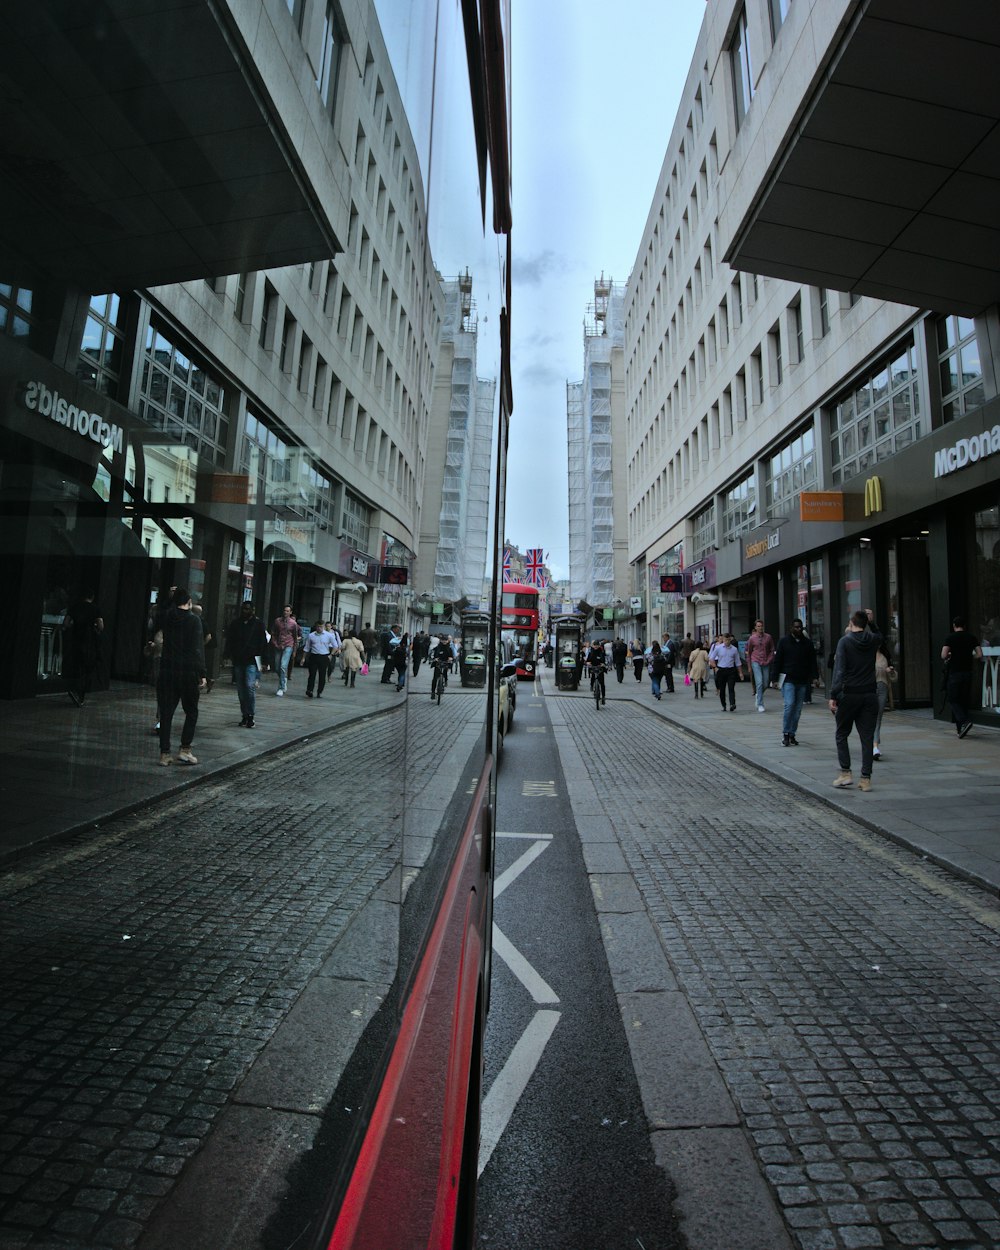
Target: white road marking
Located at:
point(512, 1080)
point(511, 874)
point(525, 973)
point(546, 837)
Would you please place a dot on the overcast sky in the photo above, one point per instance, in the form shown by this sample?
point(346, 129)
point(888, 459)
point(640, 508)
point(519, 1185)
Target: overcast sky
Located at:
point(595, 90)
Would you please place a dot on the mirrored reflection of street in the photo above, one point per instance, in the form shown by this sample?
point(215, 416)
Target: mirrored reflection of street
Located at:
point(213, 960)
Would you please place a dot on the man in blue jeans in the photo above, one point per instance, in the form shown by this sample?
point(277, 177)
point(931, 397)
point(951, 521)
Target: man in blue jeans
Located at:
point(245, 641)
point(795, 664)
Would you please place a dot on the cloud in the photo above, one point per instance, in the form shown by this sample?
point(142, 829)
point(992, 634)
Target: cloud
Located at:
point(533, 270)
point(541, 374)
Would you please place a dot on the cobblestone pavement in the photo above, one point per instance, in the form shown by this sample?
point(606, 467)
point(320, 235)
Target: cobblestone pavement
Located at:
point(848, 991)
point(147, 966)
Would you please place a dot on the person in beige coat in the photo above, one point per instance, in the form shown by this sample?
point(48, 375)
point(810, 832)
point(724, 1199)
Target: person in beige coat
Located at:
point(698, 668)
point(352, 656)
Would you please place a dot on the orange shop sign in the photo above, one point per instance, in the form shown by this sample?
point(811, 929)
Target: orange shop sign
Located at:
point(821, 505)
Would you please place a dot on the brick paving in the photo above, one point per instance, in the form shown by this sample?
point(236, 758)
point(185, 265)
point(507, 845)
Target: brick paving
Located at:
point(848, 990)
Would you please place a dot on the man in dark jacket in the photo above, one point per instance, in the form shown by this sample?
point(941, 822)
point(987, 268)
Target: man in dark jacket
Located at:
point(795, 664)
point(182, 675)
point(245, 641)
point(853, 696)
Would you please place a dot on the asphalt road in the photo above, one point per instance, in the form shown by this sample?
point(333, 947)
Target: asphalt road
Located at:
point(572, 1165)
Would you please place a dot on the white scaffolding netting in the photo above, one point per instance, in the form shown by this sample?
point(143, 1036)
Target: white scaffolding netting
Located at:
point(589, 441)
point(460, 563)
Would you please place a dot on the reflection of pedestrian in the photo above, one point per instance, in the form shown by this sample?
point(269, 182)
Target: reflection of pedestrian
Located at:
point(698, 669)
point(245, 642)
point(85, 625)
point(959, 651)
point(795, 664)
point(398, 659)
point(760, 653)
point(884, 674)
point(638, 657)
point(389, 642)
point(182, 675)
point(619, 656)
point(657, 668)
point(853, 698)
point(352, 656)
point(318, 648)
point(285, 637)
point(726, 663)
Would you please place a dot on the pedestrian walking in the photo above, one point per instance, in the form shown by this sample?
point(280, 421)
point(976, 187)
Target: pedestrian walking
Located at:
point(727, 668)
point(352, 656)
point(246, 640)
point(400, 654)
point(697, 667)
point(369, 640)
point(318, 646)
point(959, 652)
point(668, 649)
point(795, 664)
point(884, 676)
point(760, 653)
point(285, 637)
point(687, 645)
point(335, 649)
point(85, 626)
point(182, 675)
point(638, 657)
point(853, 697)
point(388, 644)
point(619, 658)
point(657, 665)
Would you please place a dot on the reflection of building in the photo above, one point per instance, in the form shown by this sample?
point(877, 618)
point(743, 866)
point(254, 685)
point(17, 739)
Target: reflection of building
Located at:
point(259, 433)
point(797, 444)
point(598, 554)
point(452, 551)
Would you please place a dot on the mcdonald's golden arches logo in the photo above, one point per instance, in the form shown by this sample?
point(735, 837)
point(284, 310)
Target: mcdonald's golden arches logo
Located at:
point(873, 495)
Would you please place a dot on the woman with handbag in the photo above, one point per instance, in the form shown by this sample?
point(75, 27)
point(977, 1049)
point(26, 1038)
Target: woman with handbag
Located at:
point(352, 657)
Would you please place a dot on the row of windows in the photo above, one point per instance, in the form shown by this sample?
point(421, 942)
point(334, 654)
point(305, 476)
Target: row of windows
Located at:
point(16, 319)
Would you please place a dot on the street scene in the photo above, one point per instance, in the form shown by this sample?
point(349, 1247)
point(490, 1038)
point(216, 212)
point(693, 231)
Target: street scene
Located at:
point(731, 1005)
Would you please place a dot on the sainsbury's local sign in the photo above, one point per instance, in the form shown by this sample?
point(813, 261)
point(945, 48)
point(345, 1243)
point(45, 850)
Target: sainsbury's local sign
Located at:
point(967, 451)
point(47, 402)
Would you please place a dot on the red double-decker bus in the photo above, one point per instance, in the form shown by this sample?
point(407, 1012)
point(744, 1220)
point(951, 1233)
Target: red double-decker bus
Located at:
point(519, 623)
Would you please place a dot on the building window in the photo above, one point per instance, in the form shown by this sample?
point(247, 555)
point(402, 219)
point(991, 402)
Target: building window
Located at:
point(326, 78)
point(16, 318)
point(774, 352)
point(100, 359)
point(960, 368)
point(795, 325)
point(703, 538)
point(779, 11)
point(824, 312)
point(740, 67)
point(877, 417)
point(182, 398)
point(739, 504)
point(267, 316)
point(789, 471)
point(355, 522)
point(241, 296)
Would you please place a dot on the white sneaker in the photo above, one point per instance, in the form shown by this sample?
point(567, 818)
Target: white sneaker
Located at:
point(761, 709)
point(280, 694)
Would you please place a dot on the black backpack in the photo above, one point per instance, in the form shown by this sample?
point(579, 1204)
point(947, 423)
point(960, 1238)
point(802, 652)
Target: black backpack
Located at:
point(659, 665)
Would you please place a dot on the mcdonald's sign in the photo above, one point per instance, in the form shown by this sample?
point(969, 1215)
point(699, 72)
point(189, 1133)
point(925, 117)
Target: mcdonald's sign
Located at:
point(873, 495)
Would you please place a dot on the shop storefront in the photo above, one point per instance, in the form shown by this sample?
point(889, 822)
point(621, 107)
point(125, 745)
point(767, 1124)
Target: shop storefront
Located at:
point(918, 542)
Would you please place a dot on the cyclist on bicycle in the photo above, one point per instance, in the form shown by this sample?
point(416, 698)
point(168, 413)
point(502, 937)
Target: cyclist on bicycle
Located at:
point(440, 662)
point(597, 662)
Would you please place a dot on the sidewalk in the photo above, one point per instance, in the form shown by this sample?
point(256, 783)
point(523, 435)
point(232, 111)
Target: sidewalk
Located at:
point(933, 792)
point(65, 769)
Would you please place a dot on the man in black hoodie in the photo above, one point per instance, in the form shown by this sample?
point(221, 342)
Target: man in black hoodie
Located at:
point(854, 698)
point(182, 675)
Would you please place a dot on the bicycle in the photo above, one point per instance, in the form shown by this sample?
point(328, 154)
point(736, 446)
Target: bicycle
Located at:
point(438, 682)
point(597, 685)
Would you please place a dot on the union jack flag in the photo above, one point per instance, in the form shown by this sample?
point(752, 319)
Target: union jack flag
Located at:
point(534, 567)
point(506, 560)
